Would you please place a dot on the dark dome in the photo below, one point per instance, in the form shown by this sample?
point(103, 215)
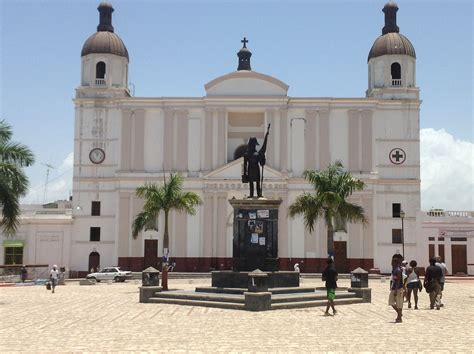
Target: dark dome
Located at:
point(392, 43)
point(104, 42)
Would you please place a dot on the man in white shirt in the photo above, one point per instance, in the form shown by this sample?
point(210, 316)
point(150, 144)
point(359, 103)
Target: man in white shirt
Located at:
point(444, 269)
point(54, 277)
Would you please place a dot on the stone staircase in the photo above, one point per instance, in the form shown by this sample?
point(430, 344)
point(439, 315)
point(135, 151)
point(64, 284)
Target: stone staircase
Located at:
point(281, 298)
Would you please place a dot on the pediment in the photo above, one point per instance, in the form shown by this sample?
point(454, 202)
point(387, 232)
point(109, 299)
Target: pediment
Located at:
point(246, 83)
point(233, 171)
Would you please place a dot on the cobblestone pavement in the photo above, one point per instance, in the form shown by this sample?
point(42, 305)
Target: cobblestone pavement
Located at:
point(108, 317)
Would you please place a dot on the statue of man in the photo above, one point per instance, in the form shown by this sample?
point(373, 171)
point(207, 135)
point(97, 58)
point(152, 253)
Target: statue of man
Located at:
point(253, 159)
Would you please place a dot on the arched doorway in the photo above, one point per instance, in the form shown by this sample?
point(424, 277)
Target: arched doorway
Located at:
point(94, 261)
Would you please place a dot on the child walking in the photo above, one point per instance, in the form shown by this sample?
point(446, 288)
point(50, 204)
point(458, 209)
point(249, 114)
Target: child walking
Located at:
point(330, 277)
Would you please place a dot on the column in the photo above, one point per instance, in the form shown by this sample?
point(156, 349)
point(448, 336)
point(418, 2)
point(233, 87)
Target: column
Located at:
point(138, 141)
point(284, 139)
point(168, 139)
point(354, 140)
point(270, 119)
point(182, 141)
point(123, 229)
point(283, 250)
point(208, 208)
point(221, 224)
point(324, 153)
point(221, 137)
point(126, 143)
point(208, 128)
point(367, 141)
point(181, 237)
point(310, 140)
point(137, 207)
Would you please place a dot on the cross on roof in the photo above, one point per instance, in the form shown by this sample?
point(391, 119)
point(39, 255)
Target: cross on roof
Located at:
point(244, 41)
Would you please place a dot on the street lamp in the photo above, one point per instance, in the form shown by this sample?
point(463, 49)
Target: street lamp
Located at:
point(402, 215)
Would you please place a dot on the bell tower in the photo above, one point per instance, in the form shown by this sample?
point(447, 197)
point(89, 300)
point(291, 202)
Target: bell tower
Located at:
point(105, 59)
point(392, 62)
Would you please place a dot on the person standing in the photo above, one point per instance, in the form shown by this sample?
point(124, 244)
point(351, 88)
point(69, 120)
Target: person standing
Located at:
point(395, 298)
point(54, 277)
point(433, 276)
point(23, 273)
point(444, 269)
point(330, 277)
point(413, 283)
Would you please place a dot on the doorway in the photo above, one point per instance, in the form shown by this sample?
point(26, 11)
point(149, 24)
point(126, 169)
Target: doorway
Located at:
point(459, 259)
point(340, 256)
point(94, 261)
point(151, 254)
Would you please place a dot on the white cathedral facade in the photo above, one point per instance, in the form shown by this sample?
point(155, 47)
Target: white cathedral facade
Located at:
point(121, 142)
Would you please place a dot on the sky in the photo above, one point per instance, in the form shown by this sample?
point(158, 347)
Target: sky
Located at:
point(319, 48)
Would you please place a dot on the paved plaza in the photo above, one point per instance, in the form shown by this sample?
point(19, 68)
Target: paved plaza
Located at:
point(108, 317)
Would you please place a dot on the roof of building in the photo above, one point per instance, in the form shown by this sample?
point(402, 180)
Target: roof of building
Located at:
point(105, 42)
point(392, 43)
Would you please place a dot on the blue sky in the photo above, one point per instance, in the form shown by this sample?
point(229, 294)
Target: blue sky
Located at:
point(319, 48)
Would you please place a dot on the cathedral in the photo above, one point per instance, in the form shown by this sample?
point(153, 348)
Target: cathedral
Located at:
point(122, 142)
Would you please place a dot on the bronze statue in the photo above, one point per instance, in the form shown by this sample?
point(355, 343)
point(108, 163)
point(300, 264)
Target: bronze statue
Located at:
point(252, 162)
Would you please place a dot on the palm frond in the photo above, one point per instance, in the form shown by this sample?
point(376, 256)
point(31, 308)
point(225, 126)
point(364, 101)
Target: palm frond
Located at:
point(352, 213)
point(309, 206)
point(9, 200)
point(186, 202)
point(16, 154)
point(14, 177)
point(5, 132)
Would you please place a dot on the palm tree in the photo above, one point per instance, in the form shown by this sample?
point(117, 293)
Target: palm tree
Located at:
point(163, 198)
point(13, 181)
point(332, 187)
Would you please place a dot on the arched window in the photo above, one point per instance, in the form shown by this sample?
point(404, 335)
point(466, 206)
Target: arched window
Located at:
point(240, 151)
point(396, 72)
point(94, 261)
point(100, 70)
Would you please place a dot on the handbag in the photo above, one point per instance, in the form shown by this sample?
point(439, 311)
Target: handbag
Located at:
point(48, 285)
point(420, 285)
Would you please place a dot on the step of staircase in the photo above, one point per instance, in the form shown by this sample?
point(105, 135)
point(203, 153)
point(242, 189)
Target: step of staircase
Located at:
point(316, 303)
point(218, 304)
point(213, 289)
point(200, 296)
point(284, 298)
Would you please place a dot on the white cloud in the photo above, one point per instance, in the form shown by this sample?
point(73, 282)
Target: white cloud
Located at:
point(447, 171)
point(59, 184)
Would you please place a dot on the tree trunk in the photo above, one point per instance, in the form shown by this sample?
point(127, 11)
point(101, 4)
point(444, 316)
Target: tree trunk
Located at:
point(330, 240)
point(166, 239)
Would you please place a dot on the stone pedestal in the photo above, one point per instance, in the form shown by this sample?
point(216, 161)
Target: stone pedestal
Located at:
point(258, 301)
point(258, 281)
point(359, 278)
point(148, 291)
point(255, 243)
point(364, 293)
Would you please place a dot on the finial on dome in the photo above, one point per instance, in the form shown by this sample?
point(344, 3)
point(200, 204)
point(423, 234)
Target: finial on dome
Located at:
point(244, 56)
point(390, 10)
point(105, 18)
